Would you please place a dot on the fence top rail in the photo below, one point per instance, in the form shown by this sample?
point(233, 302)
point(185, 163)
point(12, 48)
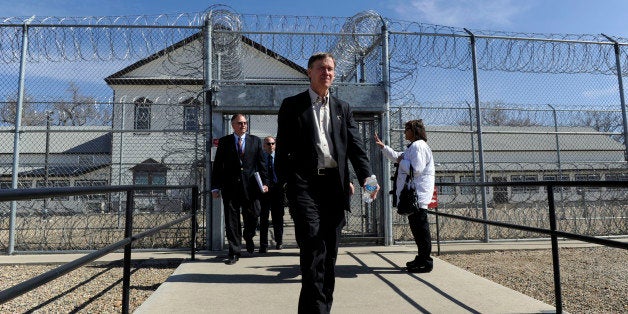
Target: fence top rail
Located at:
point(609, 183)
point(50, 275)
point(568, 235)
point(27, 194)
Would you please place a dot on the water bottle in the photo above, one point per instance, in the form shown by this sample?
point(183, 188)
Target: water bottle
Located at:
point(370, 185)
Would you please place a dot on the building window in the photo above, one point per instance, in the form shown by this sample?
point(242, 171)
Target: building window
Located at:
point(445, 190)
point(21, 184)
point(524, 189)
point(190, 114)
point(554, 177)
point(141, 120)
point(588, 177)
point(617, 177)
point(150, 172)
point(500, 193)
point(467, 190)
point(54, 184)
point(91, 183)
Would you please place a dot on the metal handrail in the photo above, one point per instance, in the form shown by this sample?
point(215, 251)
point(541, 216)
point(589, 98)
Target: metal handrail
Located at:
point(554, 234)
point(37, 281)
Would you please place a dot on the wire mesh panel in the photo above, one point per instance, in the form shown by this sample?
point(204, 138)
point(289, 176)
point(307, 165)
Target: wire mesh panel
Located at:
point(122, 100)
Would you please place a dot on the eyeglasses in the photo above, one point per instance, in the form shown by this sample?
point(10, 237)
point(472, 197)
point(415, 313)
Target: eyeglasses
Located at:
point(273, 143)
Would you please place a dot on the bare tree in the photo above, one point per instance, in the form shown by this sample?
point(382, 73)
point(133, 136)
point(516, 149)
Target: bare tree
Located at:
point(496, 114)
point(602, 121)
point(30, 115)
point(81, 110)
point(78, 110)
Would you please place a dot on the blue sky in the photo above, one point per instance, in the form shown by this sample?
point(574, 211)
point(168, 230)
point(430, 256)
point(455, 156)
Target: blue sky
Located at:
point(529, 16)
point(521, 16)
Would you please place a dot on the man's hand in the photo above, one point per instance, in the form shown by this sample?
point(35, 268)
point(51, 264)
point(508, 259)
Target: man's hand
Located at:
point(215, 194)
point(374, 193)
point(265, 188)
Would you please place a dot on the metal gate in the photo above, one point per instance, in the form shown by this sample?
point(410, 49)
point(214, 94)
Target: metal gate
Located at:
point(365, 221)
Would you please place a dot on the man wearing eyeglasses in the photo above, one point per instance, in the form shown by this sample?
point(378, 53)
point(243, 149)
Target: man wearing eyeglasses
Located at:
point(238, 157)
point(272, 202)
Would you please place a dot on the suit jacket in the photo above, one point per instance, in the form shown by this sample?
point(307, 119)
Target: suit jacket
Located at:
point(296, 147)
point(235, 178)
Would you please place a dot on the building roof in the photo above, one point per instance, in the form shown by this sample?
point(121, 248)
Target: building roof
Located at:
point(82, 140)
point(524, 148)
point(62, 171)
point(122, 77)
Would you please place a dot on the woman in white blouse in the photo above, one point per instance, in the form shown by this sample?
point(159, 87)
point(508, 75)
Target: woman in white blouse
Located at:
point(417, 155)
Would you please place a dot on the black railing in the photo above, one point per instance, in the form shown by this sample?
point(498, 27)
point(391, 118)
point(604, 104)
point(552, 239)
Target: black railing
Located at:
point(552, 232)
point(35, 282)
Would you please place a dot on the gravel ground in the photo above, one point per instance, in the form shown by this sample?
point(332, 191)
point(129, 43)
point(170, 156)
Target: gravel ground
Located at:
point(594, 280)
point(90, 289)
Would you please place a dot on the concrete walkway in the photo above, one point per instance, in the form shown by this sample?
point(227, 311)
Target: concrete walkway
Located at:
point(369, 280)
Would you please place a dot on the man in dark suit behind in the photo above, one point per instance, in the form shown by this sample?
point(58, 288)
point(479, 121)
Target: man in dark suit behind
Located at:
point(317, 137)
point(272, 202)
point(238, 157)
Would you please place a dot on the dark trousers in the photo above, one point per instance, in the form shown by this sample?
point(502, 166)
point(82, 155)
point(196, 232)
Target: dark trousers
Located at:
point(319, 216)
point(419, 225)
point(272, 205)
point(233, 226)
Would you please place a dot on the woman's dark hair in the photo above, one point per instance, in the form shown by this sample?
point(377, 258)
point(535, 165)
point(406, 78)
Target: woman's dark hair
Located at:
point(418, 129)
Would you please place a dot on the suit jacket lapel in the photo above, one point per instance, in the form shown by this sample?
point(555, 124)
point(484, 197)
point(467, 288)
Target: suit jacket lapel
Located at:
point(308, 115)
point(233, 146)
point(336, 120)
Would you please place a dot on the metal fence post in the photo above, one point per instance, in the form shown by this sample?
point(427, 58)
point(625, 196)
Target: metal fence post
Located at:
point(388, 224)
point(620, 82)
point(476, 92)
point(128, 232)
point(16, 135)
point(194, 222)
point(555, 259)
point(475, 171)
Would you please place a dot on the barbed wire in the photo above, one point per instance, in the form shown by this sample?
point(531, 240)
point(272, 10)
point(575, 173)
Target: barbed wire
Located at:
point(416, 44)
point(355, 41)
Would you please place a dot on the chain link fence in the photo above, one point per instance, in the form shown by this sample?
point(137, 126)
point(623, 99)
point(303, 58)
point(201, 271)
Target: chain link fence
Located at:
point(122, 100)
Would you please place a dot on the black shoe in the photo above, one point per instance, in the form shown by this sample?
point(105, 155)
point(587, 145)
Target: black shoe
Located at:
point(412, 263)
point(419, 269)
point(250, 247)
point(263, 249)
point(232, 260)
point(279, 246)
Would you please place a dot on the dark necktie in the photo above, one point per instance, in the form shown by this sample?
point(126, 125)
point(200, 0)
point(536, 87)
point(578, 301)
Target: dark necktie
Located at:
point(240, 152)
point(271, 169)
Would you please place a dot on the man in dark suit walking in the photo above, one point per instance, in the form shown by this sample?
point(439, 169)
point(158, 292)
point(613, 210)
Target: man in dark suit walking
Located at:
point(272, 202)
point(238, 157)
point(317, 137)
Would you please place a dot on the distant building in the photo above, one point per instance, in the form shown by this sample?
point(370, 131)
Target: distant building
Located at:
point(52, 160)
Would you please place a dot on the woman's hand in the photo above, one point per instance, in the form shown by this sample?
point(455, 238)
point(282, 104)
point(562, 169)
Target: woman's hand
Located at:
point(379, 142)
